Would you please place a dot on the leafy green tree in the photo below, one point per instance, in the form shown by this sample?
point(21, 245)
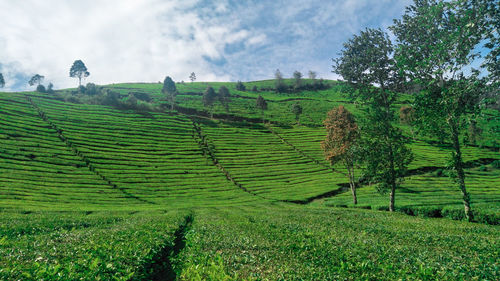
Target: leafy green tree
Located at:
point(36, 80)
point(342, 143)
point(490, 24)
point(224, 97)
point(297, 79)
point(50, 88)
point(78, 70)
point(2, 81)
point(436, 46)
point(297, 111)
point(262, 105)
point(366, 63)
point(192, 77)
point(170, 90)
point(312, 75)
point(209, 98)
point(240, 86)
point(279, 84)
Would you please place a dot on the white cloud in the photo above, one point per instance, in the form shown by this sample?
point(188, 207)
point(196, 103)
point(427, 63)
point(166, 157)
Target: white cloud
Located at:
point(118, 40)
point(132, 40)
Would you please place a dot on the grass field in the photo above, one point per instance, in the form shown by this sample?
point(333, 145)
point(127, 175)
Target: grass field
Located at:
point(92, 192)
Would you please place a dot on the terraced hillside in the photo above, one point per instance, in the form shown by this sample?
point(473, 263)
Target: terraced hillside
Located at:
point(90, 190)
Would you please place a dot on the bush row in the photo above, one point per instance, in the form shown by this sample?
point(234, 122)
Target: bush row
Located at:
point(455, 213)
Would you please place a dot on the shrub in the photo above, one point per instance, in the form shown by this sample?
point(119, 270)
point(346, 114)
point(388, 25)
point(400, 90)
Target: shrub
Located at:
point(92, 89)
point(40, 88)
point(240, 86)
point(438, 173)
point(483, 168)
point(82, 89)
point(495, 164)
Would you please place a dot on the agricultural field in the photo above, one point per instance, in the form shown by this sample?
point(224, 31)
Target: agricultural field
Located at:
point(95, 192)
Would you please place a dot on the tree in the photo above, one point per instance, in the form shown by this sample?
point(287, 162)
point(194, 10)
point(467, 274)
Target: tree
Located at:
point(209, 98)
point(366, 63)
point(50, 88)
point(170, 90)
point(297, 110)
point(2, 81)
point(36, 80)
point(192, 77)
point(224, 97)
point(41, 88)
point(240, 86)
point(490, 24)
point(436, 46)
point(262, 105)
point(78, 70)
point(297, 76)
point(341, 143)
point(312, 75)
point(279, 84)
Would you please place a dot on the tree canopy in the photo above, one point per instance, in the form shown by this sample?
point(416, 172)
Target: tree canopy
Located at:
point(36, 80)
point(366, 63)
point(342, 142)
point(170, 90)
point(224, 97)
point(192, 77)
point(2, 81)
point(437, 41)
point(78, 70)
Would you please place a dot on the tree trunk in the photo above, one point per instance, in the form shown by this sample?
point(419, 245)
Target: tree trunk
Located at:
point(459, 167)
point(392, 197)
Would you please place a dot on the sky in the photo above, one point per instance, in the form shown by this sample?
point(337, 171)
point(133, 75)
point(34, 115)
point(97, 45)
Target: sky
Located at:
point(146, 40)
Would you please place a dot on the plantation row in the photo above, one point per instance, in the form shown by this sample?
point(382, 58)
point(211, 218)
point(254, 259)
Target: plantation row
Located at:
point(37, 169)
point(151, 157)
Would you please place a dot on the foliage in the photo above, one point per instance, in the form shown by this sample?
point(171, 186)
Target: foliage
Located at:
point(224, 97)
point(78, 70)
point(2, 81)
point(279, 84)
point(297, 77)
point(240, 86)
point(36, 79)
point(341, 143)
point(490, 23)
point(436, 44)
point(261, 103)
point(50, 88)
point(312, 75)
point(41, 88)
point(170, 90)
point(192, 77)
point(296, 109)
point(366, 63)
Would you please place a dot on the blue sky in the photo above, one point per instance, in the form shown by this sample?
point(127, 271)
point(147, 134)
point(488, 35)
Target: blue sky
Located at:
point(131, 40)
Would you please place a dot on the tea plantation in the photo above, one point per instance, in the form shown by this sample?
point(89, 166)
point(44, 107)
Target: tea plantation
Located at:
point(95, 192)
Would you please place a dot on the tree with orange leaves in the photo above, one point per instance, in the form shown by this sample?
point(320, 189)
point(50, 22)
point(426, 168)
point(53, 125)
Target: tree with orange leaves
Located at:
point(341, 143)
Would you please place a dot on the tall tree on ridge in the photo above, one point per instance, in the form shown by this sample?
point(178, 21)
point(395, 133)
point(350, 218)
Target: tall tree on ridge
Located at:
point(366, 64)
point(436, 46)
point(78, 70)
point(170, 90)
point(36, 80)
